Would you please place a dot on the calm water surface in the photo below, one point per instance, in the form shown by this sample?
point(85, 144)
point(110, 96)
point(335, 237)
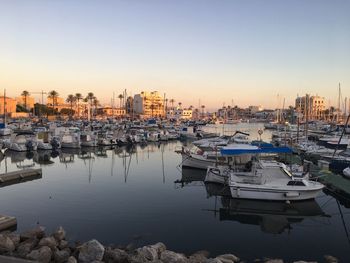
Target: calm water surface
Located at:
point(129, 195)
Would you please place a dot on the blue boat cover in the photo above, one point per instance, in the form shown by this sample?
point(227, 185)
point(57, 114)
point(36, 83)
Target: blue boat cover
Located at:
point(262, 144)
point(257, 150)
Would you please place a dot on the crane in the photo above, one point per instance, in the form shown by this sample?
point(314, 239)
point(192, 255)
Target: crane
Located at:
point(42, 99)
point(42, 95)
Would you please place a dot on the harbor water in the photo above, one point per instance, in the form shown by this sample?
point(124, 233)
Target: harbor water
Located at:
point(129, 196)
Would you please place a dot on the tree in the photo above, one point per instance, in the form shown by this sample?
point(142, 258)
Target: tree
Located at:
point(203, 106)
point(152, 108)
point(120, 97)
point(66, 111)
point(166, 106)
point(71, 99)
point(90, 98)
point(180, 103)
point(172, 103)
point(78, 97)
point(85, 109)
point(96, 103)
point(53, 95)
point(25, 94)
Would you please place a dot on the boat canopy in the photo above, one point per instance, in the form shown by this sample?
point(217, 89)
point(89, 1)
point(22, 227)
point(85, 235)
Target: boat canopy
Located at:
point(236, 149)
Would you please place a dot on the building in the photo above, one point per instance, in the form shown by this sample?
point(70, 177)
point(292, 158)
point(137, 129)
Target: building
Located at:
point(149, 104)
point(10, 105)
point(254, 109)
point(179, 114)
point(314, 106)
point(23, 101)
point(110, 111)
point(58, 101)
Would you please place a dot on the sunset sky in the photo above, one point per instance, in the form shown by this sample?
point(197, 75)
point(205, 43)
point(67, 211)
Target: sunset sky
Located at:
point(213, 51)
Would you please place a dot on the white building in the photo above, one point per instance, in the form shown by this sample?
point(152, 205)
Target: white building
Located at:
point(179, 114)
point(149, 104)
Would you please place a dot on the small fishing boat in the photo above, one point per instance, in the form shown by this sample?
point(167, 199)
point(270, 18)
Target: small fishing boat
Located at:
point(265, 179)
point(346, 172)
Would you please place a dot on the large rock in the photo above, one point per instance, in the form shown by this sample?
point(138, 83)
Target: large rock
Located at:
point(42, 255)
point(115, 255)
point(14, 237)
point(25, 247)
point(59, 234)
point(277, 260)
point(302, 261)
point(71, 260)
point(172, 257)
point(38, 232)
point(63, 244)
point(49, 242)
point(61, 256)
point(330, 259)
point(213, 260)
point(160, 247)
point(148, 252)
point(228, 258)
point(6, 244)
point(90, 251)
point(199, 257)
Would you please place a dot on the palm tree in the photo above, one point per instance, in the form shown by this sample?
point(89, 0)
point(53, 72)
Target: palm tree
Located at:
point(25, 94)
point(71, 99)
point(203, 106)
point(152, 108)
point(53, 95)
point(90, 97)
point(78, 97)
point(85, 109)
point(96, 103)
point(172, 103)
point(120, 97)
point(180, 103)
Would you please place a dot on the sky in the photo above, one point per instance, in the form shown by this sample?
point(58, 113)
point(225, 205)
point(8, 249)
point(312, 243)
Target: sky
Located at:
point(198, 52)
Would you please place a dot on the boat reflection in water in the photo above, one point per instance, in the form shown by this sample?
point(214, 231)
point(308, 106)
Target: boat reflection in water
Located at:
point(43, 157)
point(272, 216)
point(190, 176)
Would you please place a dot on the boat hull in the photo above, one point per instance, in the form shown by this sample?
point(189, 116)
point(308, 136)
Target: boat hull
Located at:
point(247, 192)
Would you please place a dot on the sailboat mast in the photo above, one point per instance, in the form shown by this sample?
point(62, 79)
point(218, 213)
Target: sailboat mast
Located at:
point(4, 106)
point(338, 110)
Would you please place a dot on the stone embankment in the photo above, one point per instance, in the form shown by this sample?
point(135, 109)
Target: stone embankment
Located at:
point(37, 246)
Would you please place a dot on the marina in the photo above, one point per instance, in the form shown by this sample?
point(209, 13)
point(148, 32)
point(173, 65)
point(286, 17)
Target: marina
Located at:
point(174, 131)
point(140, 193)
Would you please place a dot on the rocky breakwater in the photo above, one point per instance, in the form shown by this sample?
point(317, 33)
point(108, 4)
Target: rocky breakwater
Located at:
point(37, 246)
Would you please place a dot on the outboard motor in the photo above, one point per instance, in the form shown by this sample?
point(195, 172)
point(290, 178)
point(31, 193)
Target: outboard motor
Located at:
point(29, 146)
point(56, 144)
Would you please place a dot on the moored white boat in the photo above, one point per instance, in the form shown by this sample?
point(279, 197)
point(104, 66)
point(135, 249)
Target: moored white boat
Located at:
point(346, 172)
point(268, 181)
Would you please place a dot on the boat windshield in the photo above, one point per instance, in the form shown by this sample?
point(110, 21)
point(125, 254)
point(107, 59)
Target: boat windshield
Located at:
point(287, 172)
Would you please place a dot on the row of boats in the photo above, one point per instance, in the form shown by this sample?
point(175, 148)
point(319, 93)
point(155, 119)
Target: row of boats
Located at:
point(93, 135)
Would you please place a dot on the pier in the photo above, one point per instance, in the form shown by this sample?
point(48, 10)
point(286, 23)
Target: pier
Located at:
point(19, 176)
point(7, 222)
